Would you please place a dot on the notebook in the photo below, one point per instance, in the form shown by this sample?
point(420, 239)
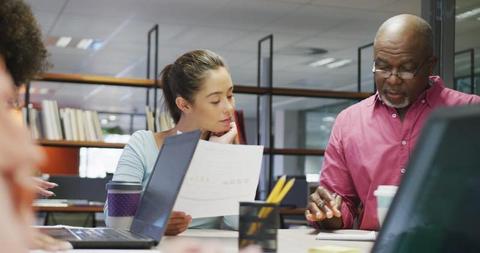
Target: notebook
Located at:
point(155, 205)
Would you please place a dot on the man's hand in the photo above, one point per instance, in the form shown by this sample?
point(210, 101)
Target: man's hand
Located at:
point(324, 207)
point(42, 186)
point(178, 223)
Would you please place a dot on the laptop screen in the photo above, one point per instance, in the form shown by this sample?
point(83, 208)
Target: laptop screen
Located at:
point(164, 184)
point(437, 205)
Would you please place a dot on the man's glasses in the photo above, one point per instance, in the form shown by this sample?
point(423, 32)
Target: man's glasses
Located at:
point(404, 75)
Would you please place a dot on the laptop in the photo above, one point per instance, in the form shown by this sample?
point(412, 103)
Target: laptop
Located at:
point(437, 206)
point(155, 205)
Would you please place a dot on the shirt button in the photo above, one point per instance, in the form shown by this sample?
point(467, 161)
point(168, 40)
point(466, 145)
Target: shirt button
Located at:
point(394, 115)
point(404, 142)
point(402, 171)
point(423, 101)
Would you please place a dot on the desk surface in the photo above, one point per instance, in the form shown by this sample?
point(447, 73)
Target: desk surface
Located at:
point(289, 240)
point(70, 209)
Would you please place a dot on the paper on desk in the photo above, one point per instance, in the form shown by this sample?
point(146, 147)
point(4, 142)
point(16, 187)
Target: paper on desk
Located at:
point(99, 251)
point(219, 176)
point(347, 235)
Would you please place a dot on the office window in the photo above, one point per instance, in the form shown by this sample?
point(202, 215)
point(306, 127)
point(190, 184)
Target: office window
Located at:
point(319, 122)
point(300, 122)
point(467, 43)
point(309, 166)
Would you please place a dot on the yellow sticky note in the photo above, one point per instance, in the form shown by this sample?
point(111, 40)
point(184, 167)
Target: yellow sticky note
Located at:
point(333, 249)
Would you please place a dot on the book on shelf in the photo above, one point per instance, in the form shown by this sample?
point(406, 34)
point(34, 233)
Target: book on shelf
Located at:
point(35, 125)
point(51, 120)
point(52, 123)
point(163, 121)
point(150, 120)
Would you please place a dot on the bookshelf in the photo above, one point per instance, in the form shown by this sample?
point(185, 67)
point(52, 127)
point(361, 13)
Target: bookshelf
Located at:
point(92, 144)
point(79, 144)
point(95, 80)
point(67, 79)
point(144, 83)
point(263, 90)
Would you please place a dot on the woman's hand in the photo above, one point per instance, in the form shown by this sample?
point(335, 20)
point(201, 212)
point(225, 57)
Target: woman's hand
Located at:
point(228, 137)
point(42, 187)
point(45, 242)
point(178, 223)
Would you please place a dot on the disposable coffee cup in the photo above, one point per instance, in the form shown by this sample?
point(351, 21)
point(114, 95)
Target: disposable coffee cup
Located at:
point(123, 199)
point(384, 194)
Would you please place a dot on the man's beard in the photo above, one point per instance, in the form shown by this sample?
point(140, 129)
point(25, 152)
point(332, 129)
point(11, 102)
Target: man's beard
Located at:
point(404, 104)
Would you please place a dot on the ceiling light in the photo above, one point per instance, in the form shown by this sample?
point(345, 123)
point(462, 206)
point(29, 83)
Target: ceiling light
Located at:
point(96, 45)
point(338, 64)
point(104, 121)
point(112, 117)
point(321, 62)
point(84, 43)
point(468, 14)
point(63, 41)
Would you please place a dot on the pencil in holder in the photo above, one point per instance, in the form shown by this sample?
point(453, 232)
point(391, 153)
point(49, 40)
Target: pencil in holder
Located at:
point(258, 224)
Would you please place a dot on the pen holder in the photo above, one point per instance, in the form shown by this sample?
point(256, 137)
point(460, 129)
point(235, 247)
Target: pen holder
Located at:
point(258, 224)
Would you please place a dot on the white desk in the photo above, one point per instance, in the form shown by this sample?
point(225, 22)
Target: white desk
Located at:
point(289, 241)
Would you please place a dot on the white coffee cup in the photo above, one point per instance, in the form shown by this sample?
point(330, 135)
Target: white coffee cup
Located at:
point(384, 194)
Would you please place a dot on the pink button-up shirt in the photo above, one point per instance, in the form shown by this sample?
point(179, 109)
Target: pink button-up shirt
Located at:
point(370, 146)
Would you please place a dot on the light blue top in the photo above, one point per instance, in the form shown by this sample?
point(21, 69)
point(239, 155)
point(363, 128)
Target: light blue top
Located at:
point(136, 165)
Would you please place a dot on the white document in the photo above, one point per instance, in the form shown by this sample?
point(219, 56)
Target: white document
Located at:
point(100, 251)
point(219, 177)
point(347, 235)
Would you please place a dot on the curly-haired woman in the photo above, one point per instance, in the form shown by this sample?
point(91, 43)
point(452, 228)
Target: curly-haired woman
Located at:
point(22, 55)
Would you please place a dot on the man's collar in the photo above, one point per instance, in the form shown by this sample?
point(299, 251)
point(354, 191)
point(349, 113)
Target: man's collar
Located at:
point(376, 99)
point(433, 93)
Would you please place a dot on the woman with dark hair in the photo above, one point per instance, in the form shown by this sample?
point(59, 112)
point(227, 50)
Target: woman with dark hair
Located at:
point(22, 55)
point(198, 92)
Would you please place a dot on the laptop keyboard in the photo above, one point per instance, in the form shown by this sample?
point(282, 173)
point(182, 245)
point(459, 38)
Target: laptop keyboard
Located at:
point(102, 234)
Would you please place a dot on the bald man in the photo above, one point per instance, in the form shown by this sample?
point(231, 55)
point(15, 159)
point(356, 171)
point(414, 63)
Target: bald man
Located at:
point(371, 141)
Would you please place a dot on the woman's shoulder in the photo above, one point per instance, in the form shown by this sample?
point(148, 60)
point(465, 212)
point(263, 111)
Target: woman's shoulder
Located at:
point(140, 138)
point(142, 134)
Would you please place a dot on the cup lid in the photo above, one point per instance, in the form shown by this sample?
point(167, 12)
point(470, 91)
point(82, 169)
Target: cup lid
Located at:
point(386, 189)
point(123, 185)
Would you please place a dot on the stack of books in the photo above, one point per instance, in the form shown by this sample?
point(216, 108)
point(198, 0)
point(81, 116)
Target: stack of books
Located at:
point(163, 121)
point(69, 124)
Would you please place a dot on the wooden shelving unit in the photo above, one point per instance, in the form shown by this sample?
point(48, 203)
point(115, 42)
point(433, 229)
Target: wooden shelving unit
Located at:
point(91, 144)
point(239, 89)
point(79, 144)
point(95, 80)
point(295, 151)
